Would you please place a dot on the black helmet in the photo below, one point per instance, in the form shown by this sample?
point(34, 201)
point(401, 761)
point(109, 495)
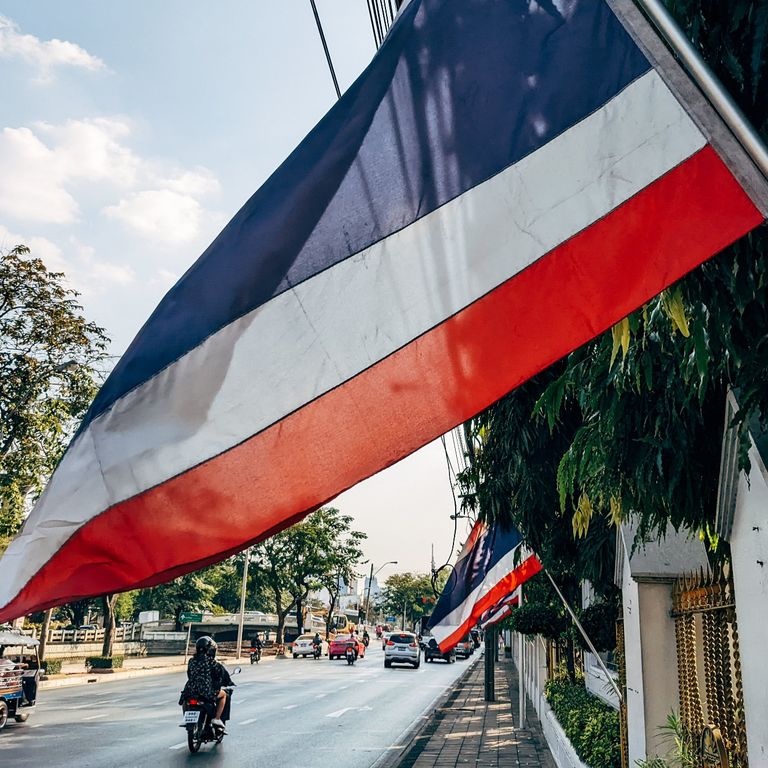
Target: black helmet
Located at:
point(203, 645)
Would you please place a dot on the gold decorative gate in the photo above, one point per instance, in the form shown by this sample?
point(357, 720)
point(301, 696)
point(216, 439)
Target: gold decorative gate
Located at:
point(709, 667)
point(621, 665)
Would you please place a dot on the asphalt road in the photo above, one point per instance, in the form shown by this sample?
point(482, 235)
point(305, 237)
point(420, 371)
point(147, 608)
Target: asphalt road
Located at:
point(291, 713)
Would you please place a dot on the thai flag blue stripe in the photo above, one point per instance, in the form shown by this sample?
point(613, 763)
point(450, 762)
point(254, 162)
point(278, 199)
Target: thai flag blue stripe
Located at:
point(458, 92)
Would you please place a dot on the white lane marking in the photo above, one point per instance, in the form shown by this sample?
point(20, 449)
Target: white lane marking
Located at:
point(291, 706)
point(249, 721)
point(339, 712)
point(343, 688)
point(95, 717)
point(321, 695)
point(180, 745)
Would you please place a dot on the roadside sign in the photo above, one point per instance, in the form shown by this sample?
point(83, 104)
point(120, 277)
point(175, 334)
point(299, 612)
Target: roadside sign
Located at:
point(189, 618)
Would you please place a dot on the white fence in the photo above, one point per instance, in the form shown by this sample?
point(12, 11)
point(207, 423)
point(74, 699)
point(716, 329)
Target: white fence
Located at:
point(122, 635)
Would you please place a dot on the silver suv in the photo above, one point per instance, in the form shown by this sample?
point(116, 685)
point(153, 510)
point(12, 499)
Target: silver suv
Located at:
point(402, 648)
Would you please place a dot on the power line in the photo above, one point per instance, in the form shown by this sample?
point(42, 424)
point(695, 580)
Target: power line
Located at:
point(325, 48)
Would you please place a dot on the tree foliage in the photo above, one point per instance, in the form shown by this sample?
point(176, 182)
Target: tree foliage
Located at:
point(191, 592)
point(302, 558)
point(410, 593)
point(49, 372)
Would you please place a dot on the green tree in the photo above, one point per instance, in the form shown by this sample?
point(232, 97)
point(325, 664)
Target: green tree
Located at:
point(298, 559)
point(191, 592)
point(409, 594)
point(50, 358)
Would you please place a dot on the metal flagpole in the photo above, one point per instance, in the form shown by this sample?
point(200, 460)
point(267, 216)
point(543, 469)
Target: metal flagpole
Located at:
point(325, 48)
point(720, 99)
point(521, 670)
point(586, 638)
point(241, 623)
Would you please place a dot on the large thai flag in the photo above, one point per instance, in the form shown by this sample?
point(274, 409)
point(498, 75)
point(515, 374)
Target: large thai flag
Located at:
point(505, 181)
point(492, 564)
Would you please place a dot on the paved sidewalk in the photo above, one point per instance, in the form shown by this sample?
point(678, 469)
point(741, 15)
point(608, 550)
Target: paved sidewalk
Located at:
point(468, 731)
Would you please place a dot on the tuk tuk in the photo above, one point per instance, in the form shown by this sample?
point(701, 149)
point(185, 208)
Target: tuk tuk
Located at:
point(18, 683)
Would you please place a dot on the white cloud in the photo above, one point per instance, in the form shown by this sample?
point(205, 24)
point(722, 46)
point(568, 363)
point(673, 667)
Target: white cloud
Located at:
point(40, 165)
point(197, 183)
point(43, 55)
point(32, 184)
point(91, 150)
point(45, 164)
point(83, 270)
point(168, 217)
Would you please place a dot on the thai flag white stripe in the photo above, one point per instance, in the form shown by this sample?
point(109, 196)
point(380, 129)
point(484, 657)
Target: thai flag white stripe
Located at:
point(307, 341)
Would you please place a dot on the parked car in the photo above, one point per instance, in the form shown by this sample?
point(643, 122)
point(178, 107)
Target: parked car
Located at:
point(338, 647)
point(432, 650)
point(476, 637)
point(303, 646)
point(384, 638)
point(402, 648)
point(87, 628)
point(465, 648)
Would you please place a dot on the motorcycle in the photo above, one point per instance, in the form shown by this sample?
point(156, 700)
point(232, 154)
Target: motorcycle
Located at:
point(255, 655)
point(366, 640)
point(316, 650)
point(350, 655)
point(198, 714)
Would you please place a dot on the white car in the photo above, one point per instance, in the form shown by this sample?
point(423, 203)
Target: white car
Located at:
point(302, 646)
point(402, 648)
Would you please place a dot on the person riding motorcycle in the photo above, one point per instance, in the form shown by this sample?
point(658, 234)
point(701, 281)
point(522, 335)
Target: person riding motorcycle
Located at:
point(366, 638)
point(256, 645)
point(205, 678)
point(317, 642)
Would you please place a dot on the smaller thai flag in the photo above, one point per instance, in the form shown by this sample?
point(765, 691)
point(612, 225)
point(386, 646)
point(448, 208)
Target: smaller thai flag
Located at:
point(488, 569)
point(500, 611)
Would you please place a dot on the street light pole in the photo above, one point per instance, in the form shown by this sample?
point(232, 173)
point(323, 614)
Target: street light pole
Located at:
point(242, 604)
point(370, 581)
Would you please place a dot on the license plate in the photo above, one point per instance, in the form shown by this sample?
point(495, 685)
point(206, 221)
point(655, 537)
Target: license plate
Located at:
point(400, 647)
point(191, 717)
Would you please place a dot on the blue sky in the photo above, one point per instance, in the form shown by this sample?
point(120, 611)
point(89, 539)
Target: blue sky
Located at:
point(131, 132)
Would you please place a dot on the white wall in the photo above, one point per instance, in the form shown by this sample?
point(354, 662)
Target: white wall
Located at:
point(749, 556)
point(633, 664)
point(660, 679)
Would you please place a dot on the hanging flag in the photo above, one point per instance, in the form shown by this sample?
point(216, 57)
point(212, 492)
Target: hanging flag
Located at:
point(493, 563)
point(498, 612)
point(504, 182)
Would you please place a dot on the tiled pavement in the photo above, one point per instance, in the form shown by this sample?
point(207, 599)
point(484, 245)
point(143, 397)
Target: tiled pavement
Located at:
point(467, 731)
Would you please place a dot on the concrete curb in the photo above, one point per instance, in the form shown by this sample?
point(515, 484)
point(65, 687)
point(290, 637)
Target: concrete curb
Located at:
point(86, 679)
point(416, 731)
point(126, 674)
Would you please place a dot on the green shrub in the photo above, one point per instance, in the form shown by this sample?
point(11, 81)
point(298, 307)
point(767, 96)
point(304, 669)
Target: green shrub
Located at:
point(590, 724)
point(105, 662)
point(538, 619)
point(52, 666)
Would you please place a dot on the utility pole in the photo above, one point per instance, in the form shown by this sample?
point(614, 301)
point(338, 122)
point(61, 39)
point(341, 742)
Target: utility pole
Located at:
point(368, 595)
point(242, 603)
point(490, 654)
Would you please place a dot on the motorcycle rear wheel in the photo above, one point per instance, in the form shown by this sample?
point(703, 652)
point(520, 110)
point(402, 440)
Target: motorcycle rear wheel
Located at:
point(194, 738)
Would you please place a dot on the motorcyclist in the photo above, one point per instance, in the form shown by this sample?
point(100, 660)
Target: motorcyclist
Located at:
point(366, 638)
point(256, 645)
point(220, 677)
point(202, 681)
point(317, 641)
